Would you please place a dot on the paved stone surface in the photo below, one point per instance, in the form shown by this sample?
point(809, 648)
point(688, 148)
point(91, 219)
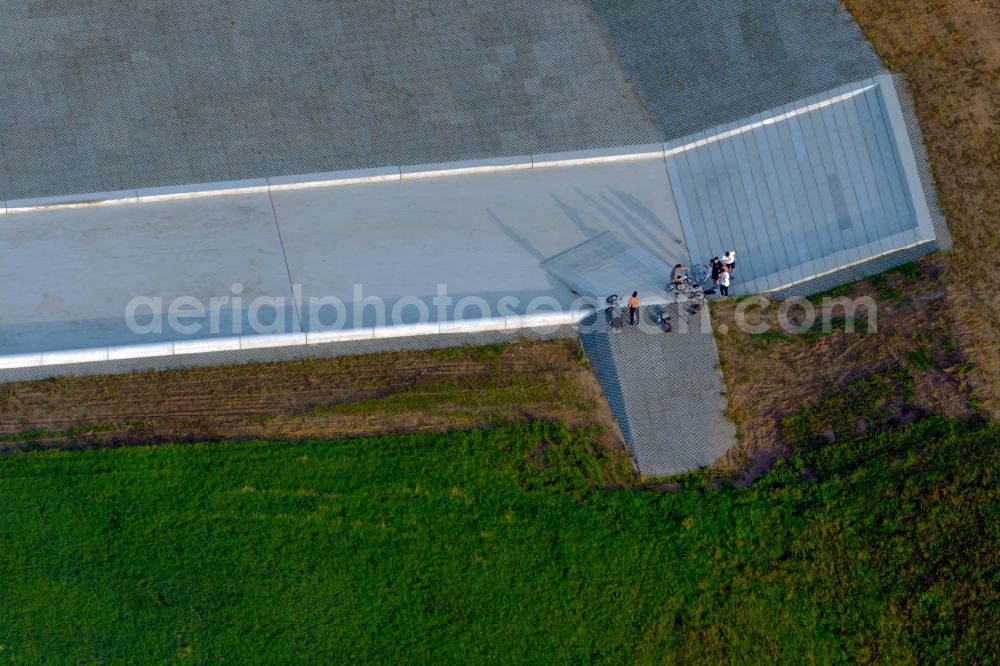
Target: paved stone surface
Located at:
point(700, 63)
point(485, 236)
point(68, 275)
point(824, 187)
point(782, 190)
point(103, 95)
point(665, 389)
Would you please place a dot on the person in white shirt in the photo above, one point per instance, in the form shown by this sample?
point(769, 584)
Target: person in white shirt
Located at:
point(729, 259)
point(724, 284)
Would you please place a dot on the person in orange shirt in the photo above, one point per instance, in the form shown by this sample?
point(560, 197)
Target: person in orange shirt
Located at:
point(633, 307)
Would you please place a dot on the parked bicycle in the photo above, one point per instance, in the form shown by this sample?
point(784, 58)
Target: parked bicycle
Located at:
point(690, 284)
point(684, 285)
point(700, 274)
point(613, 313)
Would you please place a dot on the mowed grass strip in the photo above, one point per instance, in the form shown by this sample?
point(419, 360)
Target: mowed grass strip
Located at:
point(524, 543)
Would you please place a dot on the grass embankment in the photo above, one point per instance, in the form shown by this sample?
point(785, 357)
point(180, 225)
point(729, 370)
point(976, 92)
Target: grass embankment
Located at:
point(326, 398)
point(519, 543)
point(771, 375)
point(949, 54)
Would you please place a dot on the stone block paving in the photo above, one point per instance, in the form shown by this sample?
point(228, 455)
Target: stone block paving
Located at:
point(665, 389)
point(700, 63)
point(104, 95)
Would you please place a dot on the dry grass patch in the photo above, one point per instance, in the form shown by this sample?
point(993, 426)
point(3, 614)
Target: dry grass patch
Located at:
point(944, 328)
point(949, 53)
point(331, 398)
point(774, 375)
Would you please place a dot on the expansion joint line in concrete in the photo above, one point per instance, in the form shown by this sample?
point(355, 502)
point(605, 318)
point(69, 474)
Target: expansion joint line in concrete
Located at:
point(288, 270)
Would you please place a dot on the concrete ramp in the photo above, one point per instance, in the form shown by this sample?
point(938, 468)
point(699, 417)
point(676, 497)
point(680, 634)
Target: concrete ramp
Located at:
point(606, 265)
point(665, 389)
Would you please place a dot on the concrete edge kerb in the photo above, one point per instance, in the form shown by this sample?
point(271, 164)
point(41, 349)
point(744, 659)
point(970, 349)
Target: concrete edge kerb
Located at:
point(846, 266)
point(905, 152)
point(474, 325)
point(333, 178)
point(75, 356)
point(206, 345)
point(150, 350)
point(248, 342)
point(21, 361)
point(91, 200)
point(271, 341)
point(599, 156)
point(488, 165)
point(466, 167)
point(173, 193)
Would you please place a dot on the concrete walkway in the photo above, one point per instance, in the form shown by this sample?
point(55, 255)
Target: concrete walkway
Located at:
point(67, 275)
point(765, 186)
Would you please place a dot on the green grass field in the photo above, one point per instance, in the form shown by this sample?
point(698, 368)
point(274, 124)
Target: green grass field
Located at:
point(499, 545)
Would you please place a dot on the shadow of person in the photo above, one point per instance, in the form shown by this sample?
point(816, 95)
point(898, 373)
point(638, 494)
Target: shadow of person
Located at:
point(579, 217)
point(523, 242)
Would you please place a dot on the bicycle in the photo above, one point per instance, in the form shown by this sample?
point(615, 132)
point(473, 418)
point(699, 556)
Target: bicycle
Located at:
point(700, 274)
point(613, 313)
point(685, 287)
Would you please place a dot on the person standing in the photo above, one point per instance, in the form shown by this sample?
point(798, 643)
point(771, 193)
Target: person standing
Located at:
point(724, 283)
point(729, 260)
point(633, 307)
point(716, 269)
